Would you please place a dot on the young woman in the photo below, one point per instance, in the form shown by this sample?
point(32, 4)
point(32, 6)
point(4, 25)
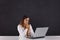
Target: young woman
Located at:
point(25, 28)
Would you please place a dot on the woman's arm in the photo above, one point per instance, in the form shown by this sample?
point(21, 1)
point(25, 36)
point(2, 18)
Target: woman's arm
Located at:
point(21, 32)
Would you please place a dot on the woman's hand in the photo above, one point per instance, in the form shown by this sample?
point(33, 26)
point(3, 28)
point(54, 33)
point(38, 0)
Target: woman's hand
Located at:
point(28, 32)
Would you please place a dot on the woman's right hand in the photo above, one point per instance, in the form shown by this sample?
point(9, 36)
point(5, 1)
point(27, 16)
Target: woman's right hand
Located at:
point(28, 32)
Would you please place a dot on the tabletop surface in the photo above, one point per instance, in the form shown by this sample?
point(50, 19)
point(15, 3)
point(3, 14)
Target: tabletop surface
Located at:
point(17, 38)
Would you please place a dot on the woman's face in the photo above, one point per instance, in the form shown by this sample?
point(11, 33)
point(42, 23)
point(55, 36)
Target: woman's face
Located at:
point(26, 20)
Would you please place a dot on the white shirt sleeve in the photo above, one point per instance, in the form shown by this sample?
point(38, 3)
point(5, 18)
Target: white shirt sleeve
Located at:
point(31, 30)
point(20, 30)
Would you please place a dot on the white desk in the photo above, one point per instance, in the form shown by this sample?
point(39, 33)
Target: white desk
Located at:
point(16, 38)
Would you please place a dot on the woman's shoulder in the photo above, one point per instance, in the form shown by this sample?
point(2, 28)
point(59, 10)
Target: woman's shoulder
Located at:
point(19, 25)
point(30, 24)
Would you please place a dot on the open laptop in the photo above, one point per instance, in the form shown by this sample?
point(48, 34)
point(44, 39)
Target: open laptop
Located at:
point(40, 33)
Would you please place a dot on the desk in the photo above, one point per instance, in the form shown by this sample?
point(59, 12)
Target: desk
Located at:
point(17, 38)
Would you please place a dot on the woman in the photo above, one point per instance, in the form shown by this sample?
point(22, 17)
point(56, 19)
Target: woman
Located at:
point(25, 28)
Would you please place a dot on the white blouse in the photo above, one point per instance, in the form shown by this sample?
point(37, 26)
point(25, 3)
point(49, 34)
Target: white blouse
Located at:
point(22, 31)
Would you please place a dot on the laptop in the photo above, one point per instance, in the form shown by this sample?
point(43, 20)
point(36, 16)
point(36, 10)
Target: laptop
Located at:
point(39, 33)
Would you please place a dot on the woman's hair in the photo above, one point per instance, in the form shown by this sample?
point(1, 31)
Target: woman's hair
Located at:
point(22, 21)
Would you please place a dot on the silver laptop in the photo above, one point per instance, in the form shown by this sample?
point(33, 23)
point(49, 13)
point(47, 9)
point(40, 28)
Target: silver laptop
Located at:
point(40, 32)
